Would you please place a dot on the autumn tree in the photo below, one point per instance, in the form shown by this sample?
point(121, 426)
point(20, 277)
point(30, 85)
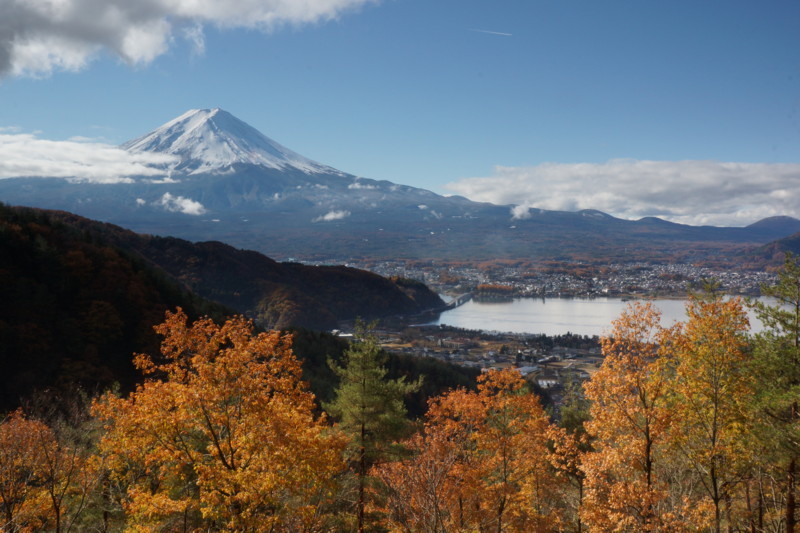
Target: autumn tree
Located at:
point(568, 449)
point(368, 407)
point(415, 490)
point(570, 442)
point(69, 470)
point(482, 463)
point(48, 471)
point(777, 369)
point(710, 395)
point(23, 503)
point(625, 486)
point(221, 436)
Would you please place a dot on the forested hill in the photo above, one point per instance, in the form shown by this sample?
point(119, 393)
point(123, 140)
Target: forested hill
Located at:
point(277, 295)
point(74, 309)
point(774, 252)
point(78, 298)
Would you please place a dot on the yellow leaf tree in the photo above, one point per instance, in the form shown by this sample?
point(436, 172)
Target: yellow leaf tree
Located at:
point(626, 488)
point(23, 503)
point(711, 396)
point(46, 479)
point(69, 474)
point(222, 435)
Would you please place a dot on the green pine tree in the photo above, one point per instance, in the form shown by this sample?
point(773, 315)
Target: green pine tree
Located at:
point(777, 366)
point(369, 407)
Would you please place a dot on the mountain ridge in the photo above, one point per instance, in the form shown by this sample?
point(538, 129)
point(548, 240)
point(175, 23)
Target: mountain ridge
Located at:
point(277, 295)
point(227, 185)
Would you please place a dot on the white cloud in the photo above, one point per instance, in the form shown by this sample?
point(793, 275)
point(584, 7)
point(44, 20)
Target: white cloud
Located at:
point(162, 181)
point(520, 212)
point(688, 192)
point(180, 204)
point(332, 215)
point(25, 155)
point(40, 36)
point(359, 185)
point(194, 34)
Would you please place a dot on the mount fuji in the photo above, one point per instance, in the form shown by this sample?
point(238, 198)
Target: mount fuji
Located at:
point(211, 140)
point(221, 179)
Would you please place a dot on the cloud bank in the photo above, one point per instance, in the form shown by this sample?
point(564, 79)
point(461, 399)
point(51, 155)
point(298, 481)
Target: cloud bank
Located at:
point(688, 192)
point(40, 36)
point(24, 155)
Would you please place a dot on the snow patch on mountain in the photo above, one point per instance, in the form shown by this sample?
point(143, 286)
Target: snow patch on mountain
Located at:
point(212, 140)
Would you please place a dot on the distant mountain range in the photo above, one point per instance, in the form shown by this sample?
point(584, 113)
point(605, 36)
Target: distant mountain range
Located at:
point(228, 182)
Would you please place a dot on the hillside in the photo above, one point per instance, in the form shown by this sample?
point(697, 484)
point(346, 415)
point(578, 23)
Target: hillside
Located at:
point(773, 254)
point(79, 298)
point(277, 295)
point(74, 309)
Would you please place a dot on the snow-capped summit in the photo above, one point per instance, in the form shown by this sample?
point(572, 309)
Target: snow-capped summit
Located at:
point(208, 140)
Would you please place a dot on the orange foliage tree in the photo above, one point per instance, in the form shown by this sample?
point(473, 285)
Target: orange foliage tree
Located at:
point(45, 481)
point(481, 463)
point(222, 435)
point(23, 503)
point(626, 485)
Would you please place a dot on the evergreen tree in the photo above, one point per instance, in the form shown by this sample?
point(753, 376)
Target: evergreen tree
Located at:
point(368, 406)
point(777, 360)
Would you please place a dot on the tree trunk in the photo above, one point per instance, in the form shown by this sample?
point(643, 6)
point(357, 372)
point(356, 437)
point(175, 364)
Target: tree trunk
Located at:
point(791, 504)
point(580, 503)
point(749, 501)
point(362, 473)
point(715, 497)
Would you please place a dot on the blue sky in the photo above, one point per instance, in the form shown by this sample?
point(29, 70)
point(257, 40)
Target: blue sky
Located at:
point(685, 110)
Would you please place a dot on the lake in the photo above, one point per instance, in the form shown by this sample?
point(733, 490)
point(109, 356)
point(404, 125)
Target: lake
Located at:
point(555, 316)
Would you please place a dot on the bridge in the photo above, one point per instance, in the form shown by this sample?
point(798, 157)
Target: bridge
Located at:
point(458, 301)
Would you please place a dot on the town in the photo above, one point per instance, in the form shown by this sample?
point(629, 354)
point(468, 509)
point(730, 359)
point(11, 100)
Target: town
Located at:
point(552, 364)
point(570, 279)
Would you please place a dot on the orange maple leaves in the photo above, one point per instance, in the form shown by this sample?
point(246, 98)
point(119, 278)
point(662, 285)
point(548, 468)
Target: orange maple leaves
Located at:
point(222, 435)
point(481, 463)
